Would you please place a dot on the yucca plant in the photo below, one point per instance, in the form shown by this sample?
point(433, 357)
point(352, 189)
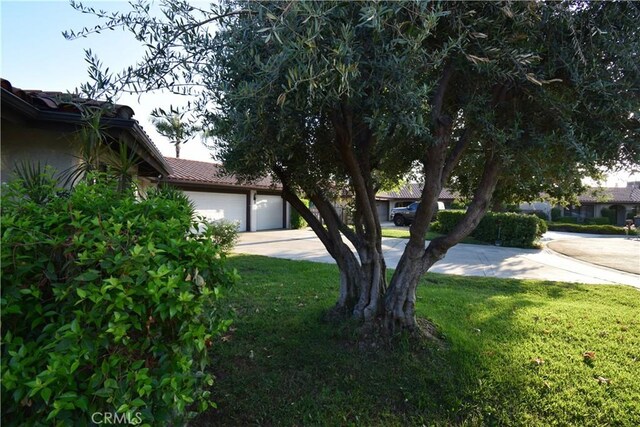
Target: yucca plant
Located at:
point(92, 139)
point(37, 179)
point(121, 164)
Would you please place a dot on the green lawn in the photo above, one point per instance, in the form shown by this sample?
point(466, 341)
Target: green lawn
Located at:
point(513, 356)
point(403, 233)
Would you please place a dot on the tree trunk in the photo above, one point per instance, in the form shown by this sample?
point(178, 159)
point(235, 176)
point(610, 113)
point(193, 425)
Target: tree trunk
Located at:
point(177, 150)
point(364, 294)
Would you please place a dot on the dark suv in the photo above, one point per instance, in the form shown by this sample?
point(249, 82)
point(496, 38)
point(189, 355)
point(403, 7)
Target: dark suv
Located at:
point(405, 216)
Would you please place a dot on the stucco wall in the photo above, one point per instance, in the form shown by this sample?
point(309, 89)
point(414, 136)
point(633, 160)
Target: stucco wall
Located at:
point(58, 149)
point(49, 147)
point(536, 207)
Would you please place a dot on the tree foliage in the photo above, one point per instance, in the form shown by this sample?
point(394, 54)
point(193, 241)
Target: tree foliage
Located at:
point(499, 101)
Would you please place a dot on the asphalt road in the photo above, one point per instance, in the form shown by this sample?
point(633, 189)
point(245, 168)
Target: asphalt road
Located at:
point(462, 259)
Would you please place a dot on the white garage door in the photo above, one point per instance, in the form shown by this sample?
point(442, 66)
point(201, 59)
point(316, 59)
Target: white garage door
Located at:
point(382, 206)
point(269, 212)
point(231, 207)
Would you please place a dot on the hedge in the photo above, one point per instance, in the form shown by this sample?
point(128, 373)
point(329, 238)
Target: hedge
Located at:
point(567, 220)
point(590, 229)
point(297, 221)
point(506, 229)
point(597, 221)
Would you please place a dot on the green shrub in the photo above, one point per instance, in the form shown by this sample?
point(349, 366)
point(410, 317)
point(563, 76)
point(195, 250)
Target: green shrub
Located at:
point(542, 227)
point(591, 229)
point(448, 219)
point(487, 231)
point(109, 304)
point(542, 215)
point(567, 220)
point(597, 221)
point(297, 221)
point(609, 213)
point(556, 213)
point(510, 229)
point(224, 234)
point(459, 204)
point(507, 229)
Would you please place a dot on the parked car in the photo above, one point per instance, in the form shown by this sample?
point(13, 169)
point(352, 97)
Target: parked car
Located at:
point(406, 215)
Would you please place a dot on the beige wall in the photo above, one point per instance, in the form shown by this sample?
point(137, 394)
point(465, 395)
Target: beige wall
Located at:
point(49, 147)
point(34, 145)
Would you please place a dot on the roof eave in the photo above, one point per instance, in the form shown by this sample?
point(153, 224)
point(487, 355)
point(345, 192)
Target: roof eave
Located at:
point(209, 184)
point(150, 153)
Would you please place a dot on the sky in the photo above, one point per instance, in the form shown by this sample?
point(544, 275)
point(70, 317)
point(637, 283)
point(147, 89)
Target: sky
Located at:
point(35, 55)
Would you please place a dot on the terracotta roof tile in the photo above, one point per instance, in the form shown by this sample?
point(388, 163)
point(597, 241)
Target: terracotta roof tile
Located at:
point(206, 173)
point(412, 191)
point(66, 102)
point(628, 194)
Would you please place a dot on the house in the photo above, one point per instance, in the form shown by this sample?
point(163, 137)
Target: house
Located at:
point(622, 202)
point(39, 126)
point(254, 206)
point(404, 196)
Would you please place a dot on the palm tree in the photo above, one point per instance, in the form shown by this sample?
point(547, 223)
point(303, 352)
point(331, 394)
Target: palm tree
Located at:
point(173, 127)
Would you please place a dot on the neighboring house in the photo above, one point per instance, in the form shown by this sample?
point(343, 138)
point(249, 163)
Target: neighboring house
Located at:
point(254, 206)
point(623, 201)
point(404, 196)
point(39, 126)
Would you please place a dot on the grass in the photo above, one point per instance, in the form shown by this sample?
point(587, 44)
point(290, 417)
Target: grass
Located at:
point(403, 233)
point(514, 355)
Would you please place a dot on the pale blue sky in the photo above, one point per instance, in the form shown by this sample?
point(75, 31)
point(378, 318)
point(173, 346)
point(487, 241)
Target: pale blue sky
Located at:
point(35, 55)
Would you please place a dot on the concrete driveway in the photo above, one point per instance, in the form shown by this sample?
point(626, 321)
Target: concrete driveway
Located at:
point(462, 259)
point(617, 252)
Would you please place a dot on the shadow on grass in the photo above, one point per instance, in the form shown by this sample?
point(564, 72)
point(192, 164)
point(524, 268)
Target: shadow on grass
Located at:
point(283, 366)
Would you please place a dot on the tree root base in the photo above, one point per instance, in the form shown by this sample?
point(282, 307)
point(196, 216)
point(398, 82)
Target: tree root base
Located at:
point(375, 335)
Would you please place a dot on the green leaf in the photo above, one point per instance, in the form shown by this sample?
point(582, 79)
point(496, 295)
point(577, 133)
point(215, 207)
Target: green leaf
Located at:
point(110, 383)
point(88, 276)
point(138, 402)
point(45, 393)
point(103, 392)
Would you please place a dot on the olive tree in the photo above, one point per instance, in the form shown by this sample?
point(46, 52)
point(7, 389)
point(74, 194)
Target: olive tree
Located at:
point(499, 101)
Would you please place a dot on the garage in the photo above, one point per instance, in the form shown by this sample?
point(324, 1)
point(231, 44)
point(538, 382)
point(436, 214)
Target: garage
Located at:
point(255, 205)
point(269, 211)
point(382, 207)
point(228, 206)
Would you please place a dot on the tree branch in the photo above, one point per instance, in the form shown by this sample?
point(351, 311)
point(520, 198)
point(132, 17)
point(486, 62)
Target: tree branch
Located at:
point(476, 210)
point(292, 198)
point(438, 97)
point(344, 135)
point(455, 154)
